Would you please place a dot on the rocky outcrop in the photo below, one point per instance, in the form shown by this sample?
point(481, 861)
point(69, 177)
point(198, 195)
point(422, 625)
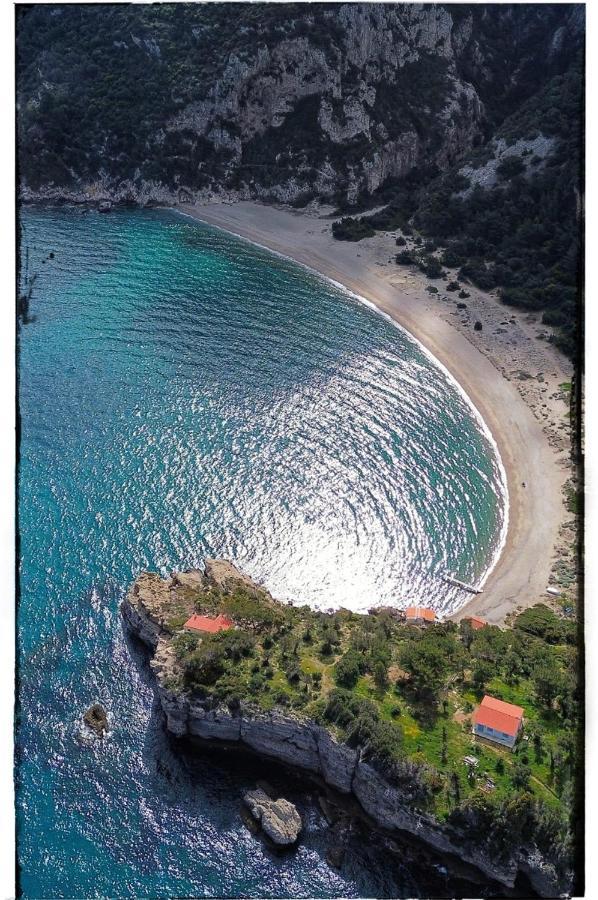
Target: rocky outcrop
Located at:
point(96, 718)
point(537, 149)
point(292, 741)
point(279, 819)
point(313, 103)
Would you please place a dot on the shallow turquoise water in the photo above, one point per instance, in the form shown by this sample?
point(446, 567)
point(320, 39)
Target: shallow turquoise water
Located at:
point(185, 394)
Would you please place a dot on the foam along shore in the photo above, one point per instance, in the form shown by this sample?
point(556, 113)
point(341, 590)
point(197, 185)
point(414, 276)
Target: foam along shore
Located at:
point(525, 420)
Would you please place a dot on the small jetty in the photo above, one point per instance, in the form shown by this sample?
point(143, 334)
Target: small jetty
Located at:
point(463, 585)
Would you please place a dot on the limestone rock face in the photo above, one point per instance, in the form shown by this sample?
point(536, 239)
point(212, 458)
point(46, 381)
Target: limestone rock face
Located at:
point(224, 574)
point(279, 819)
point(316, 102)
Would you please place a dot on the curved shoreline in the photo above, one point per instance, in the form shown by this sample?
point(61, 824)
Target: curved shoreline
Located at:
point(481, 422)
point(518, 574)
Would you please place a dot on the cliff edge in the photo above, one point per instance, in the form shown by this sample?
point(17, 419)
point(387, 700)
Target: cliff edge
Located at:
point(156, 610)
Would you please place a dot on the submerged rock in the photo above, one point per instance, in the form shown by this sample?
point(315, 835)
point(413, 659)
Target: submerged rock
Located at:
point(96, 718)
point(335, 856)
point(279, 819)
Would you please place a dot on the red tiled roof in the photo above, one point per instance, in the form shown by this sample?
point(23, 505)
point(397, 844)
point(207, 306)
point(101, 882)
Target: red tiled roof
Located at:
point(497, 714)
point(476, 623)
point(420, 612)
point(208, 623)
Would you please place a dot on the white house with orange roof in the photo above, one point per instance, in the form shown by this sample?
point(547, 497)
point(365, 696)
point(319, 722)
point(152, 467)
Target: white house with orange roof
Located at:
point(498, 721)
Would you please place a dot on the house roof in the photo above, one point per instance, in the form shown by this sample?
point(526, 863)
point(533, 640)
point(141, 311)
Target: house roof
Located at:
point(420, 612)
point(208, 623)
point(476, 622)
point(497, 714)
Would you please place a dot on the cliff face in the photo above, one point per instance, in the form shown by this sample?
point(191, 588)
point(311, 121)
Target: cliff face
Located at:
point(283, 102)
point(289, 739)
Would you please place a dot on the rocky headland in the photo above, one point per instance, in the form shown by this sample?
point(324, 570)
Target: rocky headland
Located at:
point(155, 610)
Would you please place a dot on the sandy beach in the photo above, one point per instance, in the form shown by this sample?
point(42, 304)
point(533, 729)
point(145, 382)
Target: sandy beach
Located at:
point(511, 375)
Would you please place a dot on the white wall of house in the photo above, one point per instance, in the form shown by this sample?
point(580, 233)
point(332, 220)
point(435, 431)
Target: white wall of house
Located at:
point(491, 734)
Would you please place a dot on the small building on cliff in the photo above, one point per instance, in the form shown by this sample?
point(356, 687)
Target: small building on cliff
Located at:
point(419, 615)
point(208, 624)
point(475, 622)
point(498, 721)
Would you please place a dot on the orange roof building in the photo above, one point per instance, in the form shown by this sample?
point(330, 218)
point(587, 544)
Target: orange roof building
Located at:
point(209, 624)
point(497, 721)
point(419, 615)
point(475, 622)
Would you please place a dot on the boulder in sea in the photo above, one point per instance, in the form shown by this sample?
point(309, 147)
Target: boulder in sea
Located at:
point(278, 819)
point(96, 718)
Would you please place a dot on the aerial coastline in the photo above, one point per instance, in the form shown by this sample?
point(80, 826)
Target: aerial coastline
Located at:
point(299, 492)
point(532, 444)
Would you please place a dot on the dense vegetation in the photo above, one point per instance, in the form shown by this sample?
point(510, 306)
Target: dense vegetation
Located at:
point(99, 86)
point(405, 696)
point(190, 97)
point(521, 233)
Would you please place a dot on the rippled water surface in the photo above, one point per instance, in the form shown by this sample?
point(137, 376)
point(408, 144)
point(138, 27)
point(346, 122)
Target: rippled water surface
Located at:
point(184, 394)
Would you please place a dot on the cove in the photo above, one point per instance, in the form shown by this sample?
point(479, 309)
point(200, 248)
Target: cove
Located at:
point(184, 394)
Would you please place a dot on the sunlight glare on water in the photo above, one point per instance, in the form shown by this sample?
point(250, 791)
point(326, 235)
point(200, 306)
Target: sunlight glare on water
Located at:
point(185, 394)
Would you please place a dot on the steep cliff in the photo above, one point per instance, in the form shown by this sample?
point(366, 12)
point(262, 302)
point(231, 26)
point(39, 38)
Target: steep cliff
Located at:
point(154, 610)
point(277, 101)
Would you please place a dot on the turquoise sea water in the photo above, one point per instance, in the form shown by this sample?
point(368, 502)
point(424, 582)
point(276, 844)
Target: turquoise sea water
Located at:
point(185, 394)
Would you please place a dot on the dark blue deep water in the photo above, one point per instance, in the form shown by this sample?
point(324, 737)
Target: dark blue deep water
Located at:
point(184, 394)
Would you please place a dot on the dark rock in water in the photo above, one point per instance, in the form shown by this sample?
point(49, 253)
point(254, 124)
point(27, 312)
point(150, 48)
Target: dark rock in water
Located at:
point(279, 819)
point(340, 836)
point(105, 206)
point(327, 810)
point(96, 718)
point(335, 856)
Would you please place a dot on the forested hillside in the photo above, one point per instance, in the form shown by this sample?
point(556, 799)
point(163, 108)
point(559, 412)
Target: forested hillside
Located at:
point(465, 119)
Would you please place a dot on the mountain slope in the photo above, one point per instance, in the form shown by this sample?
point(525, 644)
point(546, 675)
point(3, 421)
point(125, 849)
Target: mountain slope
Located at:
point(465, 119)
point(279, 101)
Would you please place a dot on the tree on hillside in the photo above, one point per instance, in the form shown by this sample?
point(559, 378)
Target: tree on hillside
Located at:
point(427, 664)
point(481, 674)
point(547, 681)
point(380, 675)
point(348, 669)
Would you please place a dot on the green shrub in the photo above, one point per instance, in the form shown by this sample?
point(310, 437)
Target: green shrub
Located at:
point(509, 167)
point(184, 644)
point(426, 661)
point(243, 607)
point(348, 669)
point(430, 266)
point(349, 229)
point(204, 666)
point(542, 622)
point(235, 643)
